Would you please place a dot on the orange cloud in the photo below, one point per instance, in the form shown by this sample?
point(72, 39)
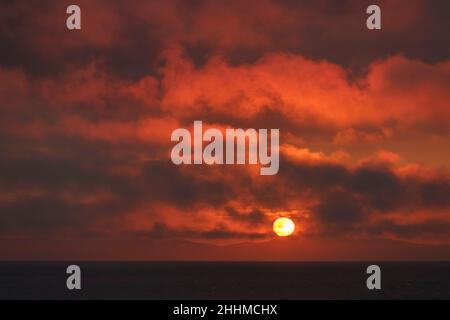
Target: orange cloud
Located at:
point(86, 118)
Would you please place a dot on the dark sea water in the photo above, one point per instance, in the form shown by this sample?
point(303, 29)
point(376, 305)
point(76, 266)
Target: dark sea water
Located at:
point(225, 280)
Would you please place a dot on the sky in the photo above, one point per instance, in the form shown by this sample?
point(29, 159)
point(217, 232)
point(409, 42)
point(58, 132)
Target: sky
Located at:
point(86, 118)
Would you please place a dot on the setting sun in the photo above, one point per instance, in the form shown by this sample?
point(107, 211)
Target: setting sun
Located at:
point(283, 227)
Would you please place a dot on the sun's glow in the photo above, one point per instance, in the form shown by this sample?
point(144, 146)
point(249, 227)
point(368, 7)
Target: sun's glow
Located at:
point(283, 227)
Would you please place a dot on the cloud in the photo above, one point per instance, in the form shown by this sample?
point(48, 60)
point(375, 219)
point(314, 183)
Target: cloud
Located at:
point(340, 200)
point(302, 97)
point(253, 218)
point(85, 120)
point(161, 231)
point(351, 200)
point(429, 231)
point(129, 39)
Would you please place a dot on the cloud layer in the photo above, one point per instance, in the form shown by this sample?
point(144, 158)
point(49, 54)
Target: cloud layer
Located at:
point(86, 118)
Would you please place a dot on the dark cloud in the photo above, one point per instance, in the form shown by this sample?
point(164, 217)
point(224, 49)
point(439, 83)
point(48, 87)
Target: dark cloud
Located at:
point(436, 193)
point(341, 208)
point(165, 182)
point(349, 197)
point(382, 188)
point(162, 231)
point(430, 229)
point(53, 215)
point(252, 218)
point(36, 38)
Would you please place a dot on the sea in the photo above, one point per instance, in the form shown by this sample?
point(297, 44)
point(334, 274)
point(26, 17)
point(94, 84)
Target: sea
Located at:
point(224, 280)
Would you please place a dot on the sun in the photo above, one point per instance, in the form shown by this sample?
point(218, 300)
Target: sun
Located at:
point(283, 227)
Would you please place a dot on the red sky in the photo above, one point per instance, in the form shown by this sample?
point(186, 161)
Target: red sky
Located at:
point(86, 118)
